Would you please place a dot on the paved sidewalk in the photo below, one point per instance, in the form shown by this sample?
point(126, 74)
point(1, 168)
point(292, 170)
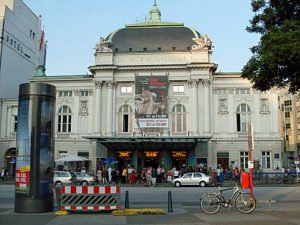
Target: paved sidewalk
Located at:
point(180, 216)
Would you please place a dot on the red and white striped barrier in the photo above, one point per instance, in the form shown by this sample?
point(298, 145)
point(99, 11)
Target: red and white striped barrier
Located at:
point(91, 198)
point(90, 189)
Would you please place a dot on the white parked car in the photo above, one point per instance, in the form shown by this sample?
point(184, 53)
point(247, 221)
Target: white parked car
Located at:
point(194, 178)
point(63, 178)
point(85, 178)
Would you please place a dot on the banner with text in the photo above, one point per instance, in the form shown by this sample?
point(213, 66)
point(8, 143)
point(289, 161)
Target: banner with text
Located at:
point(151, 94)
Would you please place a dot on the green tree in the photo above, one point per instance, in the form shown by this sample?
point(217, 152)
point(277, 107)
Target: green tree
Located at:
point(276, 58)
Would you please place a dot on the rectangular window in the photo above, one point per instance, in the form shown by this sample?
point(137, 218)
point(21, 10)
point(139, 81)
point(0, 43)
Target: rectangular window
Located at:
point(266, 160)
point(126, 89)
point(15, 123)
point(238, 122)
point(83, 154)
point(244, 159)
point(125, 123)
point(62, 153)
point(242, 91)
point(288, 102)
point(178, 88)
point(65, 93)
point(84, 93)
point(287, 114)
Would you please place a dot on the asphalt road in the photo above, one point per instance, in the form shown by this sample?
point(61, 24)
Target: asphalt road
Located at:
point(186, 209)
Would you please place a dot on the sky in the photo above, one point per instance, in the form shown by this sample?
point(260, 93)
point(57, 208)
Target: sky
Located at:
point(73, 27)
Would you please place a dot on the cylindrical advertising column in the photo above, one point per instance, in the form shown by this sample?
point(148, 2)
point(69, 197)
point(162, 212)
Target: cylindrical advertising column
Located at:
point(35, 148)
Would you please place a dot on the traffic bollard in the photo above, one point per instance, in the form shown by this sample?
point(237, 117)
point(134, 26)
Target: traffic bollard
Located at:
point(170, 203)
point(126, 200)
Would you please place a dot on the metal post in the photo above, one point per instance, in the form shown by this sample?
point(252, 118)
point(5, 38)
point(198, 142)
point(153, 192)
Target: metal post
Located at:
point(250, 149)
point(126, 200)
point(170, 203)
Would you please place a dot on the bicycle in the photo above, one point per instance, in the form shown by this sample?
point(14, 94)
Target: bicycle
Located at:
point(142, 182)
point(244, 202)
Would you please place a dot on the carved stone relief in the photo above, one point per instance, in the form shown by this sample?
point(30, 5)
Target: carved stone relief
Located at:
point(84, 108)
point(193, 83)
point(264, 105)
point(98, 84)
point(223, 106)
point(205, 83)
point(103, 46)
point(202, 42)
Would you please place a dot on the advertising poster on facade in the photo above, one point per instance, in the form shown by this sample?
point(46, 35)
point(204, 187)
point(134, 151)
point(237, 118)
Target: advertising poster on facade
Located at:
point(23, 148)
point(151, 94)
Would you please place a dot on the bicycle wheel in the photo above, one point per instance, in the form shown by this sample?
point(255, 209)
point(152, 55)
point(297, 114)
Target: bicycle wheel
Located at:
point(245, 203)
point(210, 203)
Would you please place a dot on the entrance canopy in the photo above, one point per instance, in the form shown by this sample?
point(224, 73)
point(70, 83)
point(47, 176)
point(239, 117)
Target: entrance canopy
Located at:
point(149, 143)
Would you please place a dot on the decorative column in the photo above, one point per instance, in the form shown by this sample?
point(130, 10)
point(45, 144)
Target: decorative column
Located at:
point(8, 125)
point(76, 111)
point(194, 112)
point(109, 117)
point(206, 105)
point(98, 85)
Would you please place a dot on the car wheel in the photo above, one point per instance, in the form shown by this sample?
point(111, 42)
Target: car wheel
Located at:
point(58, 184)
point(177, 184)
point(84, 183)
point(202, 184)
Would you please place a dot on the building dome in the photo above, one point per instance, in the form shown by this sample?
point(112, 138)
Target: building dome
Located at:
point(152, 35)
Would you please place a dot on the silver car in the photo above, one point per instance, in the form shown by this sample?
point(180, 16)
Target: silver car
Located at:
point(85, 178)
point(63, 178)
point(194, 178)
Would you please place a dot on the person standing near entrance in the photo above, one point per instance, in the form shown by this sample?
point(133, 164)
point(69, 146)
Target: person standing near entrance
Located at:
point(236, 174)
point(169, 175)
point(2, 174)
point(176, 173)
point(124, 175)
point(149, 176)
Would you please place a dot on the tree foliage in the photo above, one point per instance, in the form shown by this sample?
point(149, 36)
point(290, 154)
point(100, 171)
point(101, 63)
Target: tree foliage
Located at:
point(276, 58)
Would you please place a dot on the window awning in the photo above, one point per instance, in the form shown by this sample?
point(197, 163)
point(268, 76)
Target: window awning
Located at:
point(149, 143)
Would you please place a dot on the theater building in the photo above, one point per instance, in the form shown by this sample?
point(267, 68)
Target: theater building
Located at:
point(154, 98)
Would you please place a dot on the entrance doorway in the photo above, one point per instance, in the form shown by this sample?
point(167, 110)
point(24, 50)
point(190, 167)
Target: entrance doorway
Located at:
point(223, 159)
point(179, 159)
point(179, 163)
point(124, 160)
point(151, 159)
point(153, 162)
point(11, 161)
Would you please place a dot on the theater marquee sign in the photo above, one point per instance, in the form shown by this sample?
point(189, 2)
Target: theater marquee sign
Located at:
point(151, 101)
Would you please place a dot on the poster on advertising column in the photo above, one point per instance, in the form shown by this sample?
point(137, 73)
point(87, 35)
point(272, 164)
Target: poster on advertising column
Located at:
point(151, 94)
point(23, 148)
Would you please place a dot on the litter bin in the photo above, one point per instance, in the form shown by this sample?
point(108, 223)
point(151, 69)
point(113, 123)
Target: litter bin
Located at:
point(245, 180)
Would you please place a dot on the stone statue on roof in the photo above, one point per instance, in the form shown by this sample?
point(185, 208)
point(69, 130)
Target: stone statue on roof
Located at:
point(103, 46)
point(202, 42)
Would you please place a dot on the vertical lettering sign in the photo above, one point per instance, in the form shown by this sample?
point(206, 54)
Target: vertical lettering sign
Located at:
point(151, 94)
point(23, 148)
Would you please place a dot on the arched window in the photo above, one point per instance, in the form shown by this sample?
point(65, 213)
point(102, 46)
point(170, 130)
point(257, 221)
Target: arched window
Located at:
point(178, 118)
point(125, 119)
point(243, 117)
point(64, 119)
